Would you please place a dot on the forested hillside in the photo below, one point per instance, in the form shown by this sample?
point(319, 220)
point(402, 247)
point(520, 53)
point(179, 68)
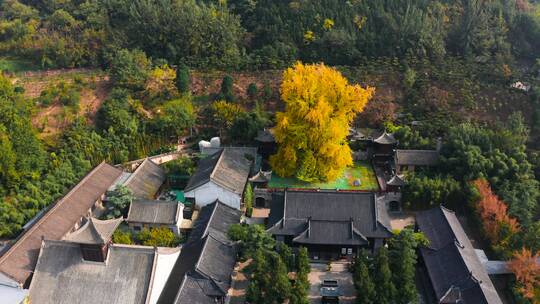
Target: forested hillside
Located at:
point(268, 34)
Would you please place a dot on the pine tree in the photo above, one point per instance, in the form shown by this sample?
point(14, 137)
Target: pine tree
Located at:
point(269, 283)
point(382, 277)
point(182, 78)
point(286, 255)
point(299, 293)
point(365, 289)
point(248, 199)
point(255, 291)
point(227, 89)
point(403, 263)
point(278, 287)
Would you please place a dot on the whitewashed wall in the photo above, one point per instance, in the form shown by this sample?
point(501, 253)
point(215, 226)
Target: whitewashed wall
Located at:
point(164, 265)
point(209, 192)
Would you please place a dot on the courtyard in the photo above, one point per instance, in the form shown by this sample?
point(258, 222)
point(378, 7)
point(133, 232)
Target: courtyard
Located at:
point(358, 177)
point(339, 271)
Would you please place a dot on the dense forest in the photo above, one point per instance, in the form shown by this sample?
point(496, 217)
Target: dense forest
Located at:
point(441, 69)
point(268, 34)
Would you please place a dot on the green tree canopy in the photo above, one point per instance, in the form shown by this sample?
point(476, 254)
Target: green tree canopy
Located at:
point(130, 69)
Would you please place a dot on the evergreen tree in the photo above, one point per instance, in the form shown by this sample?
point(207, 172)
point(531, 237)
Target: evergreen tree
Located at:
point(286, 255)
point(382, 277)
point(248, 199)
point(252, 90)
point(254, 292)
point(303, 262)
point(270, 282)
point(299, 293)
point(182, 79)
point(226, 92)
point(403, 263)
point(365, 289)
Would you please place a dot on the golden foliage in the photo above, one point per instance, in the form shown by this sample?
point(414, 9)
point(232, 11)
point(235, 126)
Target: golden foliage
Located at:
point(524, 265)
point(498, 225)
point(328, 24)
point(226, 112)
point(360, 21)
point(309, 37)
point(311, 133)
point(160, 82)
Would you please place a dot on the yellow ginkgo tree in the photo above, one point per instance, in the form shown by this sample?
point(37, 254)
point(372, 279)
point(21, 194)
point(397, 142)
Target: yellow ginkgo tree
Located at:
point(320, 104)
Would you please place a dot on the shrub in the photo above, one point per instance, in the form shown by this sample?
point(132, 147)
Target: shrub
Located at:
point(162, 237)
point(122, 237)
point(252, 90)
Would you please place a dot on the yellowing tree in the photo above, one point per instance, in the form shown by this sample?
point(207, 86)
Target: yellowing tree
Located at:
point(311, 133)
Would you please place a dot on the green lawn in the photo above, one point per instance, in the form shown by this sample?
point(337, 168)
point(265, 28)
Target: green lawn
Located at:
point(361, 171)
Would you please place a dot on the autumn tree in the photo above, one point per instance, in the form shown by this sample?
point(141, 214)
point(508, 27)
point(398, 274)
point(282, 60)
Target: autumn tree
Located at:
point(498, 226)
point(225, 113)
point(320, 104)
point(161, 82)
point(527, 270)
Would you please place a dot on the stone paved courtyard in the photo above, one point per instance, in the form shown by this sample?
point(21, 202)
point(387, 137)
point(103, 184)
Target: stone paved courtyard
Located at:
point(338, 272)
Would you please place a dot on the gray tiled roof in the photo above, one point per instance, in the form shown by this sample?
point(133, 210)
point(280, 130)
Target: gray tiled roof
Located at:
point(19, 261)
point(331, 213)
point(451, 261)
point(61, 277)
point(94, 231)
point(396, 180)
point(203, 270)
point(146, 180)
point(228, 168)
point(417, 157)
point(216, 219)
point(154, 212)
point(195, 289)
point(330, 233)
point(385, 139)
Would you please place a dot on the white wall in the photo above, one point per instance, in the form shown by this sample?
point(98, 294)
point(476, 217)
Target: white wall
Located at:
point(209, 192)
point(164, 265)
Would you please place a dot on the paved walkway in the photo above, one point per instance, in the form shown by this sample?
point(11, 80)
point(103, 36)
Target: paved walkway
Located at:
point(399, 221)
point(240, 283)
point(339, 271)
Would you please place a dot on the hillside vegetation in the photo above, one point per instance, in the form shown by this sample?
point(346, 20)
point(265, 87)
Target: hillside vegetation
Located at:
point(150, 72)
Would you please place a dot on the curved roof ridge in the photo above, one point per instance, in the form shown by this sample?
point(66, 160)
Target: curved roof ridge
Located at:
point(100, 231)
point(385, 138)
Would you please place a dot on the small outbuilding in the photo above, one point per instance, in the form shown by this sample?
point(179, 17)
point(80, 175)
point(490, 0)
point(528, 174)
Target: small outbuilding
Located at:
point(384, 144)
point(221, 176)
point(155, 214)
point(408, 160)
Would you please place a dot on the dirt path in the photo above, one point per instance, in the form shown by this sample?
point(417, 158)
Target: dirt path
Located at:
point(52, 119)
